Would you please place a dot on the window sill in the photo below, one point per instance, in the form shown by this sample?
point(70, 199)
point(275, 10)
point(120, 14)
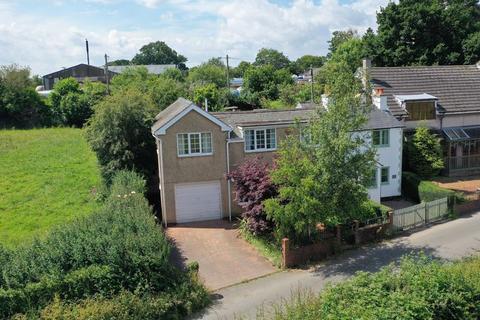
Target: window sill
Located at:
point(194, 155)
point(260, 150)
point(381, 146)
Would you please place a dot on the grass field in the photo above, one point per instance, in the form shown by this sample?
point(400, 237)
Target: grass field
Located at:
point(47, 177)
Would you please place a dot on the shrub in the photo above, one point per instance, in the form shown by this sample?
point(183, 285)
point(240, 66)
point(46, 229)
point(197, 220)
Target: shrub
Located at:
point(424, 153)
point(418, 289)
point(424, 191)
point(118, 248)
point(252, 185)
point(119, 133)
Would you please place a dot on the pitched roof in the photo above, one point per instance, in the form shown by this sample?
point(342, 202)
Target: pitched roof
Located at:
point(176, 110)
point(456, 87)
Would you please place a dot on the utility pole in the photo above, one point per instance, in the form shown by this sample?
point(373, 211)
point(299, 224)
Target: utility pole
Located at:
point(88, 52)
point(107, 78)
point(228, 75)
point(311, 84)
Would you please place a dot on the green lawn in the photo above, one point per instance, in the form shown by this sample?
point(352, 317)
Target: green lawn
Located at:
point(47, 177)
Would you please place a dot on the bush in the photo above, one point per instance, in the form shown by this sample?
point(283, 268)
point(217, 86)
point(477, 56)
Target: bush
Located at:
point(118, 248)
point(119, 133)
point(424, 153)
point(420, 190)
point(252, 185)
point(418, 289)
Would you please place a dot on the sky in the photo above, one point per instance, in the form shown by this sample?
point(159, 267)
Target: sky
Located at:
point(47, 35)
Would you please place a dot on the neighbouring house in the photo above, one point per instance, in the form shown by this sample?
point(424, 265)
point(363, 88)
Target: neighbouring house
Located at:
point(83, 72)
point(196, 149)
point(80, 72)
point(444, 98)
point(151, 68)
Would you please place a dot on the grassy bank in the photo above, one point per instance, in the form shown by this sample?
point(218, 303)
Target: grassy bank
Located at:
point(48, 177)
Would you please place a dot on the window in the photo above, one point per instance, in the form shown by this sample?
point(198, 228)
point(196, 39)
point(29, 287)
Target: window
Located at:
point(194, 144)
point(385, 175)
point(260, 139)
point(381, 138)
point(420, 110)
point(372, 184)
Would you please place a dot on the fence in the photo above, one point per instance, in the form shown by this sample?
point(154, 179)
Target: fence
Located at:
point(419, 214)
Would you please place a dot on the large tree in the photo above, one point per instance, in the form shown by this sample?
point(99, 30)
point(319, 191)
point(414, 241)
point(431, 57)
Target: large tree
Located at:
point(264, 82)
point(339, 37)
point(275, 58)
point(322, 177)
point(306, 62)
point(159, 53)
point(427, 32)
point(212, 71)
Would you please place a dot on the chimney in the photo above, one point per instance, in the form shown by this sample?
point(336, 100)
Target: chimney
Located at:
point(380, 100)
point(367, 63)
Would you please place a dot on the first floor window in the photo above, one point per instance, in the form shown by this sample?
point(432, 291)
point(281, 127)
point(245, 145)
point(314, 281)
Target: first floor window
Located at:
point(381, 138)
point(194, 143)
point(260, 139)
point(385, 175)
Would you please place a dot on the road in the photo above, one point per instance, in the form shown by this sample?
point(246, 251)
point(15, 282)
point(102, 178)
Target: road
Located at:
point(449, 240)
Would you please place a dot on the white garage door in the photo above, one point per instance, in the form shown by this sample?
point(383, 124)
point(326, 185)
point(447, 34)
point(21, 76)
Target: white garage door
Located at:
point(198, 201)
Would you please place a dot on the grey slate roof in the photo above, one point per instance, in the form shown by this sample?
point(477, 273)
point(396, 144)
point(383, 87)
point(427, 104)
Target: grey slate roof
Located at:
point(378, 119)
point(170, 112)
point(456, 87)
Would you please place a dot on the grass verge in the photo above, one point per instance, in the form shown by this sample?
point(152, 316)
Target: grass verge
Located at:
point(267, 247)
point(47, 178)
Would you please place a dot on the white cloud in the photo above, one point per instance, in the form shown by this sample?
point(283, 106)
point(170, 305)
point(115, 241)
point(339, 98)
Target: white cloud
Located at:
point(237, 27)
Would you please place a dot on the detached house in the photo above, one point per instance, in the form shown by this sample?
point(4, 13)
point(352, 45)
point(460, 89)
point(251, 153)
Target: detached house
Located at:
point(445, 98)
point(196, 149)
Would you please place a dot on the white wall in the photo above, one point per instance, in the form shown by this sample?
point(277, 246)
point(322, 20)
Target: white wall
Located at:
point(389, 156)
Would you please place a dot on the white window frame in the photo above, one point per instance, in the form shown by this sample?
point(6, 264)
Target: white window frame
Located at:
point(197, 154)
point(255, 139)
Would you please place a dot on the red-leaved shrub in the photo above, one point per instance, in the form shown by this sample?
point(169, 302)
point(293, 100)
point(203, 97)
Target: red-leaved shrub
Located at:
point(252, 185)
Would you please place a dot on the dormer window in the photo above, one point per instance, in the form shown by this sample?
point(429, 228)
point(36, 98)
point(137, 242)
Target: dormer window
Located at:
point(419, 106)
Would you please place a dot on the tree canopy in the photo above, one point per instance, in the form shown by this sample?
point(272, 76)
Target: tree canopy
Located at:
point(338, 38)
point(271, 57)
point(413, 32)
point(159, 53)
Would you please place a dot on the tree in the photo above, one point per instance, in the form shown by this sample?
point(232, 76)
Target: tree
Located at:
point(119, 133)
point(338, 38)
point(159, 53)
point(174, 74)
point(252, 186)
point(351, 52)
point(425, 153)
point(306, 62)
point(427, 32)
point(69, 103)
point(164, 91)
point(119, 62)
point(291, 94)
point(217, 98)
point(208, 72)
point(322, 177)
point(240, 70)
point(264, 82)
point(271, 57)
point(20, 104)
point(471, 48)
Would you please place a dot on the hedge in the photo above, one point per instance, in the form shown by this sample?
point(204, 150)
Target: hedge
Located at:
point(416, 189)
point(418, 288)
point(119, 248)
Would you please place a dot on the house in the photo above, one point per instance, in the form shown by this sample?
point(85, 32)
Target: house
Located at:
point(445, 98)
point(81, 72)
point(196, 149)
point(151, 68)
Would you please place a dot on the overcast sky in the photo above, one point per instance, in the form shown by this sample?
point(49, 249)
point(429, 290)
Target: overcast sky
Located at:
point(49, 34)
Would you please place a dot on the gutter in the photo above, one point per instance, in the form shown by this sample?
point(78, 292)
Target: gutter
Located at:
point(160, 187)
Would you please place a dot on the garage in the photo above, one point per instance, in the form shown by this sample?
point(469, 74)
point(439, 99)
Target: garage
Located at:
point(198, 201)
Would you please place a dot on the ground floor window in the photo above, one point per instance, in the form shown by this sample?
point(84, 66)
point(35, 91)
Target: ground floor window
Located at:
point(385, 175)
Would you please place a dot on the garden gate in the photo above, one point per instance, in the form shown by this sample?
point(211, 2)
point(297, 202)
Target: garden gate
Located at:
point(419, 214)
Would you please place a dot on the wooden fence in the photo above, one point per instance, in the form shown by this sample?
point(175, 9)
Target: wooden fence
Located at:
point(419, 214)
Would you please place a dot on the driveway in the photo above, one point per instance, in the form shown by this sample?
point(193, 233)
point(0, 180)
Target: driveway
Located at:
point(224, 257)
point(450, 240)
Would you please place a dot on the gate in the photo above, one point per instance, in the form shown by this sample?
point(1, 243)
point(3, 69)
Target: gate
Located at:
point(420, 214)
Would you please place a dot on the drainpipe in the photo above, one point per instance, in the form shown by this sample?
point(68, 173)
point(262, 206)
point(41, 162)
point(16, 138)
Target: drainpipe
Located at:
point(160, 187)
point(229, 188)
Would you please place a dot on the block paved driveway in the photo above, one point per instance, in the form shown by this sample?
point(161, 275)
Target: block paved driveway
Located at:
point(223, 256)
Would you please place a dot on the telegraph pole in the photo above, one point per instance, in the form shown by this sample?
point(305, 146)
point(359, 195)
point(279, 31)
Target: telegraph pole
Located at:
point(228, 75)
point(106, 74)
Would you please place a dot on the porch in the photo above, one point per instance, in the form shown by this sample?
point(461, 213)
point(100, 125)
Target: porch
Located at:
point(462, 150)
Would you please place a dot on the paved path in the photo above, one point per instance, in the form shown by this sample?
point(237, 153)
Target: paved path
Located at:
point(223, 256)
point(451, 240)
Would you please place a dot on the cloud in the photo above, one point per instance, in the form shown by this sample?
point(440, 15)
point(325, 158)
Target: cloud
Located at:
point(197, 29)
